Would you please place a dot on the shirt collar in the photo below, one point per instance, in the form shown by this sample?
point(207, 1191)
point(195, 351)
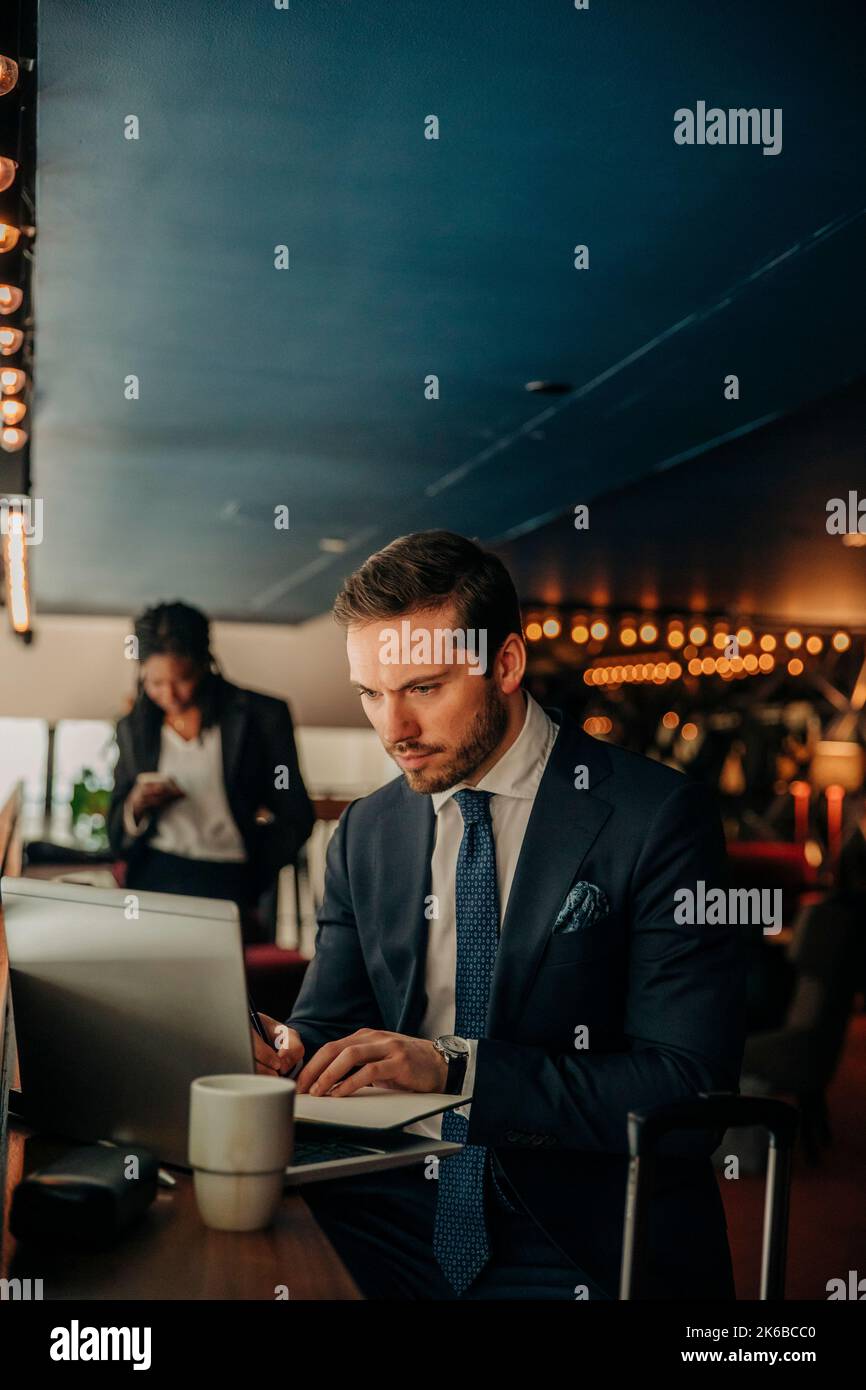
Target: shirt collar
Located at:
point(519, 770)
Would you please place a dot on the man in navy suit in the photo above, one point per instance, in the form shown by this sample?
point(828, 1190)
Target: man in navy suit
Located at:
point(501, 922)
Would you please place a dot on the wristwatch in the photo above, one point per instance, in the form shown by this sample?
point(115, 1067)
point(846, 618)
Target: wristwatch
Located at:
point(456, 1052)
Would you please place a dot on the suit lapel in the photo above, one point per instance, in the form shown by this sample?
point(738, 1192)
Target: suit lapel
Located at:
point(232, 727)
point(563, 826)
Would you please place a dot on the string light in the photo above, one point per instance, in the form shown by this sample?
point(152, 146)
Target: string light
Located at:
point(12, 439)
point(10, 340)
point(8, 74)
point(841, 641)
point(15, 568)
point(10, 295)
point(8, 169)
point(551, 627)
point(12, 412)
point(12, 380)
point(8, 237)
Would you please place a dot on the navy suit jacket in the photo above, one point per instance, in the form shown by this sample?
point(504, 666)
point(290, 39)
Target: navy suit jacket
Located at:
point(663, 1003)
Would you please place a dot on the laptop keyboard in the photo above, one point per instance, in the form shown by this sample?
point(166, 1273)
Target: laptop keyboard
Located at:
point(307, 1152)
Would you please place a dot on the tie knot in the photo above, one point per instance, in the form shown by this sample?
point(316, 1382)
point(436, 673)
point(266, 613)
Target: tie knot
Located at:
point(474, 806)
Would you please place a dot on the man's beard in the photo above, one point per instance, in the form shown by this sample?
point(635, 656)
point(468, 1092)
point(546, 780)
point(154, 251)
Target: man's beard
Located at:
point(484, 734)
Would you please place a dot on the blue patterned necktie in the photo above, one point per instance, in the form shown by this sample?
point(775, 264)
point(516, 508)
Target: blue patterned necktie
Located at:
point(460, 1239)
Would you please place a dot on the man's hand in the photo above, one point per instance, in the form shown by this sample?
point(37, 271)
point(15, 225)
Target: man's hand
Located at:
point(375, 1058)
point(287, 1041)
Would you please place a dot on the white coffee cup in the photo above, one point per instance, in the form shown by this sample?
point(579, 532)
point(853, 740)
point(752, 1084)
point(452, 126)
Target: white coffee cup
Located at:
point(241, 1136)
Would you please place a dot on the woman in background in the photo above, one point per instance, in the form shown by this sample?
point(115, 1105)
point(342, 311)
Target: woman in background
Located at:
point(208, 796)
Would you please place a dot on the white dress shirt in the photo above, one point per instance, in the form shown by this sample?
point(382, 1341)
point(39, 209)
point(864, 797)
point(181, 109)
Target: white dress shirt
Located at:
point(513, 782)
point(200, 824)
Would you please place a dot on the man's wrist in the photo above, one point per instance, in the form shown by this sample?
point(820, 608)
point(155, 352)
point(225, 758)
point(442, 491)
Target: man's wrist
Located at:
point(456, 1053)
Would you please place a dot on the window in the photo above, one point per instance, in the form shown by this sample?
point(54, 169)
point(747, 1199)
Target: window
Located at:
point(24, 758)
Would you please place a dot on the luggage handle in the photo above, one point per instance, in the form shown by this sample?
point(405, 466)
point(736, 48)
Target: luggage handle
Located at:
point(713, 1110)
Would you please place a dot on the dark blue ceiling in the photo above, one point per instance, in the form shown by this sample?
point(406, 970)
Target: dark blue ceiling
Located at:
point(305, 387)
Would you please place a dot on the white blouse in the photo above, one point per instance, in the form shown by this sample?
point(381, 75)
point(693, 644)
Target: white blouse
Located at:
point(200, 824)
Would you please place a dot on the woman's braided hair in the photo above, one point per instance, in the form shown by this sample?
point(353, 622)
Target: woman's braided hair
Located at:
point(178, 629)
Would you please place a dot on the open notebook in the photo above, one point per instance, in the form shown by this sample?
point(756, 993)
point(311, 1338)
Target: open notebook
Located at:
point(374, 1107)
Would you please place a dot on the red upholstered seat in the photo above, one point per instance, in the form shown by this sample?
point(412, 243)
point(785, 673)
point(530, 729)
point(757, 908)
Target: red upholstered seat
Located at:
point(274, 977)
point(773, 864)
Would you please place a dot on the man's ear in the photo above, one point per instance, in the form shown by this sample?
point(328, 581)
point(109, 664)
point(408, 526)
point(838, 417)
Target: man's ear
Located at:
point(510, 665)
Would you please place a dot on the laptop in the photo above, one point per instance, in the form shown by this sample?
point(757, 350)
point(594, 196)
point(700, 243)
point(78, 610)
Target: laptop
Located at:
point(120, 1000)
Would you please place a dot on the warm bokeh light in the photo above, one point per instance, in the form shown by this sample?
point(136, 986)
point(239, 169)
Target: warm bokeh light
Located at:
point(814, 645)
point(676, 637)
point(15, 568)
point(580, 633)
point(795, 666)
point(768, 642)
point(12, 380)
point(854, 539)
point(551, 627)
point(675, 670)
point(648, 632)
point(12, 412)
point(793, 639)
point(533, 632)
point(689, 732)
point(708, 666)
point(599, 629)
point(745, 636)
point(694, 666)
point(597, 724)
point(671, 719)
point(10, 340)
point(841, 641)
point(813, 854)
point(8, 168)
point(750, 662)
point(766, 662)
point(12, 439)
point(627, 636)
point(720, 640)
point(8, 237)
point(698, 635)
point(8, 74)
point(10, 298)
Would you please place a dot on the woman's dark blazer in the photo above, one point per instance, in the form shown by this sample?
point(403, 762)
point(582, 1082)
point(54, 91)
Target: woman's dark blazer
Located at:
point(257, 744)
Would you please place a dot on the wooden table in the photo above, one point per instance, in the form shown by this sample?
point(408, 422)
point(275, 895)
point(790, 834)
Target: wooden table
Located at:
point(171, 1254)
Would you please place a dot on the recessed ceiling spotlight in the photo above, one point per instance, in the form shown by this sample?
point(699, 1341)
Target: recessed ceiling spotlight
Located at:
point(333, 545)
point(549, 388)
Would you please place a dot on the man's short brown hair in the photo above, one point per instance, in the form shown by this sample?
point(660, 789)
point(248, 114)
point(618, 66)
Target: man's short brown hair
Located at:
point(429, 569)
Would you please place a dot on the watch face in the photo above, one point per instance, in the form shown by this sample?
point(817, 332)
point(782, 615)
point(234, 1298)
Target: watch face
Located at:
point(454, 1044)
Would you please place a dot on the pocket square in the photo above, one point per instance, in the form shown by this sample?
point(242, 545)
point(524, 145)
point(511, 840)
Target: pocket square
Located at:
point(585, 903)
